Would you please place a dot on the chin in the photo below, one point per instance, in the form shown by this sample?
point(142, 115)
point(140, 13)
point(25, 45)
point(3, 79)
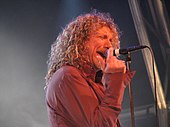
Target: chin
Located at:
point(97, 67)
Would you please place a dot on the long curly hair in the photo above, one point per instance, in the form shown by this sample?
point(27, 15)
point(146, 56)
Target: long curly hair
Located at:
point(69, 49)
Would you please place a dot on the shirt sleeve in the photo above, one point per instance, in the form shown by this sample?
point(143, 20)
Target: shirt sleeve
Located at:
point(69, 96)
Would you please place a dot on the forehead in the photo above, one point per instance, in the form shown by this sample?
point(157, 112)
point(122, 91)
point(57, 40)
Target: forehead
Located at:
point(103, 30)
point(106, 30)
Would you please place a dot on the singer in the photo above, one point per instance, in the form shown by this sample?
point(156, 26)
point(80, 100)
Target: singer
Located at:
point(75, 95)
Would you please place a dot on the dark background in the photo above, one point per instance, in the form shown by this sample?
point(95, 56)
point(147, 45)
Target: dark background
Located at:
point(27, 29)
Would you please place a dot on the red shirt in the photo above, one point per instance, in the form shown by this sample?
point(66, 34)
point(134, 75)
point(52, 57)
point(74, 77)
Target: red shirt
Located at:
point(75, 100)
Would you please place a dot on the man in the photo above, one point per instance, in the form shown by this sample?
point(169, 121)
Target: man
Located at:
point(73, 97)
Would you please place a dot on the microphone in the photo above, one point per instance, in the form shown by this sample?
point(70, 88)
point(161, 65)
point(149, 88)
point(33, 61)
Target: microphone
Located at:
point(125, 51)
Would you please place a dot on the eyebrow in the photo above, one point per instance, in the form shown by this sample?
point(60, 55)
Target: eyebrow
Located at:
point(101, 33)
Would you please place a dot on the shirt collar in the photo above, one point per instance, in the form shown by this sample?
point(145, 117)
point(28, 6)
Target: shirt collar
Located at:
point(89, 72)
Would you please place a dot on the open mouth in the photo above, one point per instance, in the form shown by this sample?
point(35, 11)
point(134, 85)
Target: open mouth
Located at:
point(102, 54)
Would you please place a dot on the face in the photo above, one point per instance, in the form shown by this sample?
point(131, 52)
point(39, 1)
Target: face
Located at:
point(98, 42)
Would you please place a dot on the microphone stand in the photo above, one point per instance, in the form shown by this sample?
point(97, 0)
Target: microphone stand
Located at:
point(128, 62)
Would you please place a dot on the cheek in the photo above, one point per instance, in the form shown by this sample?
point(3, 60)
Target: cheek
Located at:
point(92, 47)
point(92, 54)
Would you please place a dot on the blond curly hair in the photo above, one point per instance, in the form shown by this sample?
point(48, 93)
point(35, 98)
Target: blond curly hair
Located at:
point(69, 49)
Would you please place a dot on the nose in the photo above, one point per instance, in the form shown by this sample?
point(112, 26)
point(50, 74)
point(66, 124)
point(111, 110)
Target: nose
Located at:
point(108, 44)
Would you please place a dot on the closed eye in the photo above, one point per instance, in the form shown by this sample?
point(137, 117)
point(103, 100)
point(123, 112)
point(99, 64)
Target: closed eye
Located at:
point(103, 36)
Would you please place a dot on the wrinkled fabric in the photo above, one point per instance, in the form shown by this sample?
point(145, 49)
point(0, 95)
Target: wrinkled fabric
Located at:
point(75, 100)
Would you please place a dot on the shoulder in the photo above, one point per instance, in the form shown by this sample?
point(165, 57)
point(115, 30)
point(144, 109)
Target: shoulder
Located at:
point(65, 79)
point(61, 77)
point(67, 71)
point(64, 75)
